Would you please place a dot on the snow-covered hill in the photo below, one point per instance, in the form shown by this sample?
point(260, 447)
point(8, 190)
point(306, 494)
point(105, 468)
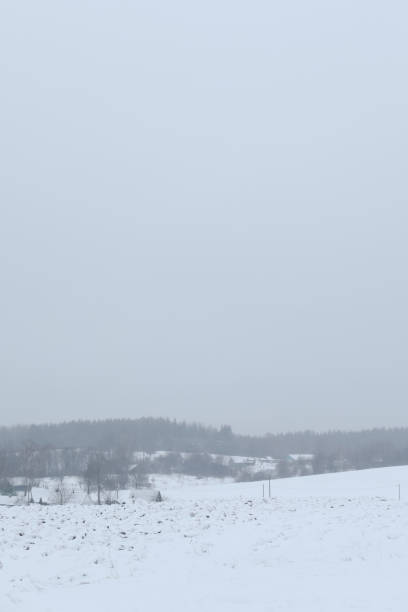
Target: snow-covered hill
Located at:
point(332, 543)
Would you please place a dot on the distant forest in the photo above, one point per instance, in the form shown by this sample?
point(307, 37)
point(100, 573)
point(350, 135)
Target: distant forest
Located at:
point(67, 447)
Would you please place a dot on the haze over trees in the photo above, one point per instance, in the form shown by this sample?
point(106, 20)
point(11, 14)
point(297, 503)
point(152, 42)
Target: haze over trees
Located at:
point(111, 453)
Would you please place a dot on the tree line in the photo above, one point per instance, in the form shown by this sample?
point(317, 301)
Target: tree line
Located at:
point(67, 448)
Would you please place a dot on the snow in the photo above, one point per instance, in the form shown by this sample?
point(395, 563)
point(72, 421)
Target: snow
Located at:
point(6, 500)
point(176, 483)
point(332, 543)
point(303, 457)
point(251, 464)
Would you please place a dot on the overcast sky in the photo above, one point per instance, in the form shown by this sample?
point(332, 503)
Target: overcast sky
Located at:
point(204, 212)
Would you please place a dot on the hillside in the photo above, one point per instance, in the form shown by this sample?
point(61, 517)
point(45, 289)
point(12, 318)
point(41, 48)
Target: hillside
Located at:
point(327, 542)
point(65, 448)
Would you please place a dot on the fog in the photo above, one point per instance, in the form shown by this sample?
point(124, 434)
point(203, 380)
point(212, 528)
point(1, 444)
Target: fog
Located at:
point(203, 212)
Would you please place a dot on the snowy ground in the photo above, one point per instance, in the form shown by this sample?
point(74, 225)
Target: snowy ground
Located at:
point(328, 543)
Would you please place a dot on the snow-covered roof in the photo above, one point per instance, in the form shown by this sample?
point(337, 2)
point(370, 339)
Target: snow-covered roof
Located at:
point(301, 457)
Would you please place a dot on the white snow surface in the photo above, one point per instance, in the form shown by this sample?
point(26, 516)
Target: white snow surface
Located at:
point(332, 543)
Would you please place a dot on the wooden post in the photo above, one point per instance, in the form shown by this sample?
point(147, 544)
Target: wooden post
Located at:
point(269, 487)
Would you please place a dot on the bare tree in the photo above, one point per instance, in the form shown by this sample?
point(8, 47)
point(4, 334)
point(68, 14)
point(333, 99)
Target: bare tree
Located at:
point(95, 473)
point(63, 492)
point(27, 464)
point(3, 463)
point(138, 476)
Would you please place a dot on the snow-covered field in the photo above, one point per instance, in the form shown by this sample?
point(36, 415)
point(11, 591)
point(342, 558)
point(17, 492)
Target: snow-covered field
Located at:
point(329, 543)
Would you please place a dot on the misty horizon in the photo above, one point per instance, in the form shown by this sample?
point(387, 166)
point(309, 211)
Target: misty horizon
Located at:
point(203, 309)
point(220, 426)
point(204, 212)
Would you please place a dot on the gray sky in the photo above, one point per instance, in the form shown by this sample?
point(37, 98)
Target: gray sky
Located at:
point(204, 212)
